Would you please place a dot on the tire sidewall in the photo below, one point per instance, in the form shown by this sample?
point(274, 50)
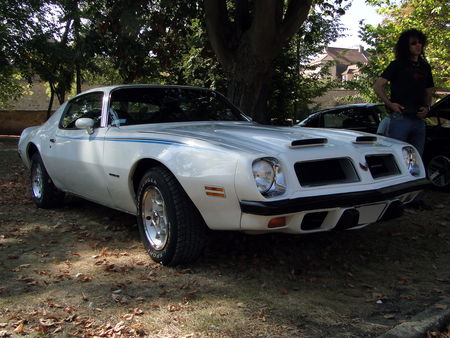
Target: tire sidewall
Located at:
point(36, 162)
point(442, 188)
point(154, 178)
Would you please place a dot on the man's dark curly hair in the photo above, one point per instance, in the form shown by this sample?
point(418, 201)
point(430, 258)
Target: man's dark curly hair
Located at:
point(401, 48)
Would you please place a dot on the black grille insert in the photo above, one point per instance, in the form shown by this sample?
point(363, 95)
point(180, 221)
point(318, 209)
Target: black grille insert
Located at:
point(326, 172)
point(382, 165)
point(313, 220)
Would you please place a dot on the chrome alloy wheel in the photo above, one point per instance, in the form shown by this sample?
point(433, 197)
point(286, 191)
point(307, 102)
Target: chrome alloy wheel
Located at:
point(155, 218)
point(439, 171)
point(37, 181)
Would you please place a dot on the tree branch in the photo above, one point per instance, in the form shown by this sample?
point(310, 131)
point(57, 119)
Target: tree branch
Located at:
point(296, 14)
point(218, 24)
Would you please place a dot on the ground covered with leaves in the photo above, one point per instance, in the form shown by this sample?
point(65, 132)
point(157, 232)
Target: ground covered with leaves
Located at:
point(81, 271)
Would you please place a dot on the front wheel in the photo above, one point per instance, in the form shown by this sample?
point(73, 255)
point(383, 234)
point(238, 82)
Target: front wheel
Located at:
point(438, 171)
point(44, 193)
point(171, 228)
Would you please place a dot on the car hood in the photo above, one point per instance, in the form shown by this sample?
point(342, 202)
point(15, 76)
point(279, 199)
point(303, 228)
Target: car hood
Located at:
point(247, 136)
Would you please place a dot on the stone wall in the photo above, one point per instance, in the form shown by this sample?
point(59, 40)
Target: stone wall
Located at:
point(13, 122)
point(37, 99)
point(331, 98)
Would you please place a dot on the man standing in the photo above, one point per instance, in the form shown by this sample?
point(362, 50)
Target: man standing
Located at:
point(411, 84)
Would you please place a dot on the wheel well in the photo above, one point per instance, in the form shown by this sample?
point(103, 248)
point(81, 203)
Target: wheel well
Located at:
point(141, 168)
point(32, 149)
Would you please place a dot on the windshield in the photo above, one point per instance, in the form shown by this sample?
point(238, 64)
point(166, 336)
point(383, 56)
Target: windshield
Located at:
point(131, 106)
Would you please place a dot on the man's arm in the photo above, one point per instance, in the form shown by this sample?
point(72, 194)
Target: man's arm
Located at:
point(378, 87)
point(429, 96)
point(423, 111)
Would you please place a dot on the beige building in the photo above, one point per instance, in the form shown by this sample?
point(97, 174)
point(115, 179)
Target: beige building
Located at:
point(344, 62)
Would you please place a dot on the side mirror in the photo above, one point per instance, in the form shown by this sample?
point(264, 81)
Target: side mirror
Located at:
point(85, 123)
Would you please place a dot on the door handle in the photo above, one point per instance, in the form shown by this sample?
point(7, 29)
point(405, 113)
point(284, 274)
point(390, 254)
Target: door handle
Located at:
point(52, 140)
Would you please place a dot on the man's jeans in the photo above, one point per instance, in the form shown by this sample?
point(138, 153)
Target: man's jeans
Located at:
point(410, 129)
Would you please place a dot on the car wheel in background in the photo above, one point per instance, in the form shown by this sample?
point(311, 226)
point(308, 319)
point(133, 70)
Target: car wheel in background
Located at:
point(438, 171)
point(171, 228)
point(44, 193)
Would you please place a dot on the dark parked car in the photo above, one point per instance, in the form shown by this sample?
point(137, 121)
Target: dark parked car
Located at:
point(366, 117)
point(361, 117)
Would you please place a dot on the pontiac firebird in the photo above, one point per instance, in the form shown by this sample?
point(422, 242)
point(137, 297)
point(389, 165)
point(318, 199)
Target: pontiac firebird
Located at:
point(184, 159)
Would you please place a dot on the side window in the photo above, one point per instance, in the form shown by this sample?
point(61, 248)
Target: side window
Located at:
point(351, 118)
point(334, 119)
point(89, 105)
point(364, 118)
point(312, 121)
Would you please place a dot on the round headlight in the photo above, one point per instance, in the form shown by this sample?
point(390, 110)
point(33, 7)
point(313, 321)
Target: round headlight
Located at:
point(410, 157)
point(264, 175)
point(269, 177)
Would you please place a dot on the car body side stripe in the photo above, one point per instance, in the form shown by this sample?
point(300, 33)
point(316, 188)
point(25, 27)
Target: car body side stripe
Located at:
point(117, 139)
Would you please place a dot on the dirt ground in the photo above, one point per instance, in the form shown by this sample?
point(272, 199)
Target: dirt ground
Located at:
point(82, 271)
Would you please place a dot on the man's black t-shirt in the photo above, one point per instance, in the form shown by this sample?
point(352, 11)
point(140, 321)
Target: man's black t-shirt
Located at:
point(409, 80)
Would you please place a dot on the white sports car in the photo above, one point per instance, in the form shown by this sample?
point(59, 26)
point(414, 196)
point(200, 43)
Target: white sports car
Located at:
point(184, 159)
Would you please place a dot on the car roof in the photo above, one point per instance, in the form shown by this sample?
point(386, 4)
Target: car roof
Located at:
point(110, 88)
point(353, 105)
point(440, 102)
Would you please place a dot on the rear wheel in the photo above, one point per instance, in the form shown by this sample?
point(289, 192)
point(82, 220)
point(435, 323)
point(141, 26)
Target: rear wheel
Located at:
point(171, 228)
point(44, 193)
point(438, 171)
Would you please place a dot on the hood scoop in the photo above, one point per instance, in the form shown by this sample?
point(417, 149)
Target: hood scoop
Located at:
point(366, 139)
point(309, 142)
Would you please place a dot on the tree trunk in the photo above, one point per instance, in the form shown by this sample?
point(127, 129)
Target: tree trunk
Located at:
point(50, 105)
point(261, 115)
point(248, 72)
point(78, 78)
point(246, 88)
point(247, 45)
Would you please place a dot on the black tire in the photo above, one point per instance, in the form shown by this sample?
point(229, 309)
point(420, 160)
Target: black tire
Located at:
point(44, 193)
point(438, 171)
point(171, 228)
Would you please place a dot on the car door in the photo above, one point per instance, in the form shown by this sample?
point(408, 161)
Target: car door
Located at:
point(76, 155)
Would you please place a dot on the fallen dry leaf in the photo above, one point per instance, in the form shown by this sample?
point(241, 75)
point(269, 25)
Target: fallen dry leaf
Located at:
point(138, 312)
point(128, 316)
point(84, 297)
point(173, 307)
point(20, 328)
point(47, 322)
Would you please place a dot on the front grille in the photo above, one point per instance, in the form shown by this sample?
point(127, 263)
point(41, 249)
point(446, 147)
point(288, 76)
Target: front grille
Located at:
point(325, 172)
point(382, 165)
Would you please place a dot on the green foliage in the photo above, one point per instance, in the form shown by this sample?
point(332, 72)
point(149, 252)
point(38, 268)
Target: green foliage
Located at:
point(11, 89)
point(199, 66)
point(19, 22)
point(145, 41)
point(53, 62)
